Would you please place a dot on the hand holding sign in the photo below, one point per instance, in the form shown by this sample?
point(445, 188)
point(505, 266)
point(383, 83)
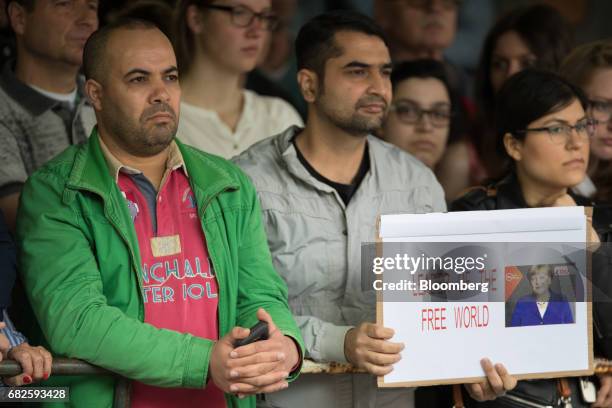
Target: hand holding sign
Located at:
point(367, 346)
point(516, 243)
point(566, 200)
point(604, 394)
point(497, 383)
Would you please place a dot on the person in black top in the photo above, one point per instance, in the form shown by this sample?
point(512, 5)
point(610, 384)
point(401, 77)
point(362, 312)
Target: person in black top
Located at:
point(542, 127)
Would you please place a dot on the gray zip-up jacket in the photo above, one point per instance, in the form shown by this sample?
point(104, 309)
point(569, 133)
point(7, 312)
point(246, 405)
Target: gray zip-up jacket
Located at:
point(316, 240)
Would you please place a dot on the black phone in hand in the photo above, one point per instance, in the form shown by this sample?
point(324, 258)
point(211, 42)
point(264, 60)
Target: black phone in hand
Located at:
point(258, 332)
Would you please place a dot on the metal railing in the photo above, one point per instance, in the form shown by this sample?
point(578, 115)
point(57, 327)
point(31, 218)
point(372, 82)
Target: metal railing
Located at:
point(67, 366)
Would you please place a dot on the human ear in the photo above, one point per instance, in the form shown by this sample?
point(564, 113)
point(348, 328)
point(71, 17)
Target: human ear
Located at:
point(309, 84)
point(514, 147)
point(193, 19)
point(94, 92)
point(17, 17)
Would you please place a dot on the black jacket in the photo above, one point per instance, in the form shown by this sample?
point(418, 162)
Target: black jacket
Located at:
point(7, 266)
point(507, 194)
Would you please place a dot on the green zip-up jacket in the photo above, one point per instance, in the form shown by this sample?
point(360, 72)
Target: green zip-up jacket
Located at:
point(80, 264)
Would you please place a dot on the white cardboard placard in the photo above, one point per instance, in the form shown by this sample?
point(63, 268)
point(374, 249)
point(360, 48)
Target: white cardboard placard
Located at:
point(453, 355)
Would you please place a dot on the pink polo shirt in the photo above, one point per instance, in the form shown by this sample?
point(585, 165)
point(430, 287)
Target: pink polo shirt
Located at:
point(180, 290)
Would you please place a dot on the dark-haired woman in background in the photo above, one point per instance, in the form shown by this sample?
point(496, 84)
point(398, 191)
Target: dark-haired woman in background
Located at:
point(543, 129)
point(423, 115)
point(532, 36)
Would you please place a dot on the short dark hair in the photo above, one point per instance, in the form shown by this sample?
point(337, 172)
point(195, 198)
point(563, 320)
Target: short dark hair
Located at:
point(528, 96)
point(93, 53)
point(546, 33)
point(430, 68)
point(315, 44)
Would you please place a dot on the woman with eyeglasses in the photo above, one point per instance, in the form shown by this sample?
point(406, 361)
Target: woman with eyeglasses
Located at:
point(544, 130)
point(590, 67)
point(217, 42)
point(422, 116)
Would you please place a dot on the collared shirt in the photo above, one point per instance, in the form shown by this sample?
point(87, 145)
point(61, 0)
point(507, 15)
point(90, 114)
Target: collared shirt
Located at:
point(180, 291)
point(34, 128)
point(542, 308)
point(315, 240)
point(174, 162)
point(261, 117)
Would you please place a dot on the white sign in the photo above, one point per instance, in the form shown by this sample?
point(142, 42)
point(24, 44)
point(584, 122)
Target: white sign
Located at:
point(502, 318)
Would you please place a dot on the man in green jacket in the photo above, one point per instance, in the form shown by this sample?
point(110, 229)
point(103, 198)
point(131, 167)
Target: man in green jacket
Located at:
point(148, 257)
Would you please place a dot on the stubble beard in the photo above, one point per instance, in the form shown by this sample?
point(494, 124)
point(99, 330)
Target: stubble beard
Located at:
point(139, 141)
point(354, 124)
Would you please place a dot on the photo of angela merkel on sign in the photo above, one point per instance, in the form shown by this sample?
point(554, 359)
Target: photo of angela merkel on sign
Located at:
point(542, 306)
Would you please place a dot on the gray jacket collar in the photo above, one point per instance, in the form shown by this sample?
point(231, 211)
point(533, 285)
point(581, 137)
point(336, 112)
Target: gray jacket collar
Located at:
point(286, 150)
point(288, 154)
point(33, 101)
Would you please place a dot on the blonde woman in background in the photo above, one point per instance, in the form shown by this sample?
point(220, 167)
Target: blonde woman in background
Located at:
point(217, 42)
point(590, 67)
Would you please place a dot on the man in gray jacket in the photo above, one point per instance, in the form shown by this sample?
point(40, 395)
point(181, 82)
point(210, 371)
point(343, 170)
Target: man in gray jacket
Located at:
point(321, 190)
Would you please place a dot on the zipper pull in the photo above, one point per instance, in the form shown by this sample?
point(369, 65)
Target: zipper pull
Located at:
point(565, 393)
point(565, 402)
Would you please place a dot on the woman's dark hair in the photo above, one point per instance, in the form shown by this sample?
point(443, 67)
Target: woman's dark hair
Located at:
point(429, 68)
point(548, 36)
point(528, 96)
point(545, 32)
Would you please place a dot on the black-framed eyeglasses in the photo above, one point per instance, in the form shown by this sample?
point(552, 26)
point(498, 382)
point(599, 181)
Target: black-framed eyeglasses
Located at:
point(242, 16)
point(562, 133)
point(412, 114)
